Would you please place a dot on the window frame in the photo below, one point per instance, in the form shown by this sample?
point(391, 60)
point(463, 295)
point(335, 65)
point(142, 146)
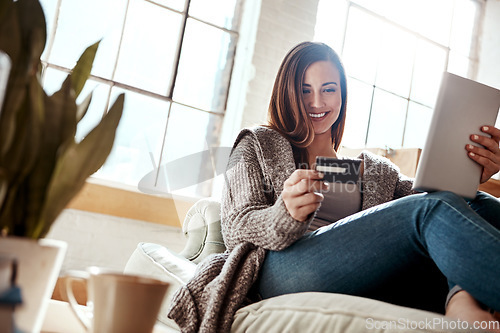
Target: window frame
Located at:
point(234, 31)
point(473, 56)
point(175, 65)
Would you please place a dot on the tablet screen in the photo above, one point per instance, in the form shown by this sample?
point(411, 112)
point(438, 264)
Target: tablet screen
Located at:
point(463, 106)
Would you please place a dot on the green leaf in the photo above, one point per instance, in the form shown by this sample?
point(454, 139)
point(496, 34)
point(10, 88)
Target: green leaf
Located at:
point(83, 107)
point(21, 161)
point(64, 107)
point(4, 8)
point(58, 126)
point(10, 42)
point(33, 26)
point(4, 223)
point(15, 96)
point(10, 30)
point(3, 188)
point(22, 37)
point(41, 165)
point(8, 217)
point(77, 163)
point(20, 157)
point(82, 69)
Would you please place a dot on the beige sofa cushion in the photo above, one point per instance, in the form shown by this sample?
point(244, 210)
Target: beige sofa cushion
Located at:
point(324, 312)
point(301, 313)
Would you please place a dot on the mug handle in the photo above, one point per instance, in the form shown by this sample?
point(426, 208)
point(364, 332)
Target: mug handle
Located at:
point(80, 314)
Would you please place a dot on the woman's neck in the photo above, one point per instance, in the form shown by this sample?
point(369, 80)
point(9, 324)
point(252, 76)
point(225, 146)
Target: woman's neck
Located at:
point(321, 146)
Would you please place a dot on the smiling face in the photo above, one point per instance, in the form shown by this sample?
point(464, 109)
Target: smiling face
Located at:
point(321, 93)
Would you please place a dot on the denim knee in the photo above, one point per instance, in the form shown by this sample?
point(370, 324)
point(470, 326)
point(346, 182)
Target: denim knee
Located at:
point(482, 196)
point(447, 197)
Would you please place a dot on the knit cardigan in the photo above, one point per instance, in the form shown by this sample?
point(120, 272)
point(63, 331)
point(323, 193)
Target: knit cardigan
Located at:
point(254, 219)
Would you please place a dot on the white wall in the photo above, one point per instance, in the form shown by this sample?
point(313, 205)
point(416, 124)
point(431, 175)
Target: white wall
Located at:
point(489, 50)
point(107, 241)
point(281, 24)
point(489, 46)
point(270, 28)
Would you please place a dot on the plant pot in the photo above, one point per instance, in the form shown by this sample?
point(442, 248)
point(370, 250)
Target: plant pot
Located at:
point(39, 263)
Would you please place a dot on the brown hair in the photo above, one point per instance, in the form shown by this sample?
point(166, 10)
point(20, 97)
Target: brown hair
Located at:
point(287, 113)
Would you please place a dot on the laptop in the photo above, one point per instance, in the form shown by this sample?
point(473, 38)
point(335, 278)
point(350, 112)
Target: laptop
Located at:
point(462, 107)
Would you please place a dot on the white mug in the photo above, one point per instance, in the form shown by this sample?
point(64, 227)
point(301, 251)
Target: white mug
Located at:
point(117, 303)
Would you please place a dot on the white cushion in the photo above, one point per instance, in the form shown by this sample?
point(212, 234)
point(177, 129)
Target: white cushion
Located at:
point(325, 312)
point(301, 313)
point(156, 261)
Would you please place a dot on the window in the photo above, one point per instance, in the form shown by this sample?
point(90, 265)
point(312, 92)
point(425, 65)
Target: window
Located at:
point(395, 52)
point(172, 58)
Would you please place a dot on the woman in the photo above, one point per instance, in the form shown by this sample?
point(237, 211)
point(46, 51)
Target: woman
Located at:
point(408, 251)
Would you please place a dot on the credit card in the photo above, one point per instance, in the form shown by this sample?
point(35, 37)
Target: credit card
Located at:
point(338, 170)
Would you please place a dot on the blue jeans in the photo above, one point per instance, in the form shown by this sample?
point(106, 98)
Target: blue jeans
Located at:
point(408, 251)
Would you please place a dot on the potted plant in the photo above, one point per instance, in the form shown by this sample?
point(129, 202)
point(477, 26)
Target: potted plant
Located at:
point(42, 167)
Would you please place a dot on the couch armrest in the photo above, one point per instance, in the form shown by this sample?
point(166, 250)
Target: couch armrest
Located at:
point(158, 262)
point(203, 230)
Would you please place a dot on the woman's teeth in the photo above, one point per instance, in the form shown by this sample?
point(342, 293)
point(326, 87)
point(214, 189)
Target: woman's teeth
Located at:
point(317, 115)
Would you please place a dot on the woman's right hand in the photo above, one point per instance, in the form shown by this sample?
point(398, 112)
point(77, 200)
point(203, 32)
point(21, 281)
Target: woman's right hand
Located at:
point(302, 193)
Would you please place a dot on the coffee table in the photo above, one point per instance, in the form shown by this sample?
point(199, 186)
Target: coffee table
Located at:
point(61, 319)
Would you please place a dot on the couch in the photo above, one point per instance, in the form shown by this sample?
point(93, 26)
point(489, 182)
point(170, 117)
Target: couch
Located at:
point(302, 312)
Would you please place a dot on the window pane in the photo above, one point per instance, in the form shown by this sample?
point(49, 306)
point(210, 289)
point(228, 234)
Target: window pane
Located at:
point(52, 80)
point(429, 67)
point(82, 23)
point(149, 46)
point(49, 10)
point(137, 147)
point(458, 64)
point(224, 13)
point(205, 67)
point(330, 23)
point(362, 45)
point(358, 113)
point(417, 125)
point(387, 120)
point(186, 161)
point(463, 29)
point(395, 61)
point(174, 4)
point(428, 17)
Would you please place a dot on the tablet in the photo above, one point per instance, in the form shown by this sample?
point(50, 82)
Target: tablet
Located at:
point(462, 107)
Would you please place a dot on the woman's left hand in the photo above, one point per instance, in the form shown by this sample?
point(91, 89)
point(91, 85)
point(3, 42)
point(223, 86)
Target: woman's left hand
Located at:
point(487, 156)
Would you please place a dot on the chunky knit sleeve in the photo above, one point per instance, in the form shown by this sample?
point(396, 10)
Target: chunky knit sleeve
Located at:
point(252, 209)
point(382, 181)
point(404, 186)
